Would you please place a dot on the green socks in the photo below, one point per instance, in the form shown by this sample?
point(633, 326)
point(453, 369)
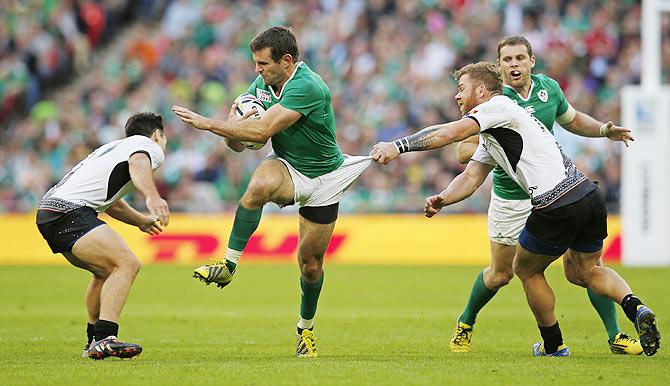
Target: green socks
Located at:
point(246, 222)
point(607, 312)
point(309, 297)
point(479, 296)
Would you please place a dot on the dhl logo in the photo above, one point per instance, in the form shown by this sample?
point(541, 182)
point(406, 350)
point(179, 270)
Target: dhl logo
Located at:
point(167, 246)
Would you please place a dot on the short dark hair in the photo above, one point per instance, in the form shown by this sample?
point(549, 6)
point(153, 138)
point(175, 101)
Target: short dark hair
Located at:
point(485, 73)
point(144, 124)
point(281, 41)
point(514, 40)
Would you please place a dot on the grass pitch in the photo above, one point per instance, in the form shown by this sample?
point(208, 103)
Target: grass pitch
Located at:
point(375, 325)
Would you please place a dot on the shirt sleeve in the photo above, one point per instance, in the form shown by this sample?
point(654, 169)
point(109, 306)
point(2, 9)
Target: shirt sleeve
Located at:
point(145, 145)
point(563, 104)
point(482, 155)
point(304, 97)
point(489, 115)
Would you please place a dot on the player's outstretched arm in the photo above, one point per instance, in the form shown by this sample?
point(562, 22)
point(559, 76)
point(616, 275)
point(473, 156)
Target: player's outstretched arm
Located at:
point(276, 119)
point(123, 212)
point(466, 148)
point(141, 173)
point(431, 137)
point(459, 188)
point(587, 126)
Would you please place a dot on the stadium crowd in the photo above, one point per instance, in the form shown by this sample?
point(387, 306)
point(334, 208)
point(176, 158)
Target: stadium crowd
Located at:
point(388, 65)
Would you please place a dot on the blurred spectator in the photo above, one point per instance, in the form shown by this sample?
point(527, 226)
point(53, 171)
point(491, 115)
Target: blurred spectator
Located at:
point(388, 65)
point(43, 43)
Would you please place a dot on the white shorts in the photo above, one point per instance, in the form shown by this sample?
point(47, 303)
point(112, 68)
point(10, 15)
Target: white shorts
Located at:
point(329, 188)
point(507, 218)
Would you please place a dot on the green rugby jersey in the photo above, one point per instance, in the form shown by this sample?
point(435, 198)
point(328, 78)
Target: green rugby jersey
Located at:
point(309, 145)
point(545, 101)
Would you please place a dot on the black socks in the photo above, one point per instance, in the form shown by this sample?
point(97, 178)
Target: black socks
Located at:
point(552, 338)
point(105, 328)
point(629, 305)
point(89, 332)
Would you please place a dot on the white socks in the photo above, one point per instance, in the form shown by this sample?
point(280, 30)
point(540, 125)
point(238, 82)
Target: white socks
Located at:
point(305, 323)
point(233, 255)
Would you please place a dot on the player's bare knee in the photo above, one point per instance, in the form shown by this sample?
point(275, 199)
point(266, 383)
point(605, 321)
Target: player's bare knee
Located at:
point(129, 264)
point(256, 196)
point(581, 277)
point(574, 279)
point(310, 270)
point(311, 273)
point(501, 278)
point(570, 274)
point(134, 266)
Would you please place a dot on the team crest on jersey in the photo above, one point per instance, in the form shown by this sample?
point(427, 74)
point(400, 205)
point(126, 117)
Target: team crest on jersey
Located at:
point(263, 95)
point(543, 95)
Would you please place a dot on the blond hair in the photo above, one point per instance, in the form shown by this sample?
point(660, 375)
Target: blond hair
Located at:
point(485, 73)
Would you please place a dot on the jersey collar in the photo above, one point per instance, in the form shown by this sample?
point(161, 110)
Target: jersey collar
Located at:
point(530, 92)
point(297, 65)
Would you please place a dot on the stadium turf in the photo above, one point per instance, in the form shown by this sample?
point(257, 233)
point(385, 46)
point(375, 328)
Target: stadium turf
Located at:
point(375, 325)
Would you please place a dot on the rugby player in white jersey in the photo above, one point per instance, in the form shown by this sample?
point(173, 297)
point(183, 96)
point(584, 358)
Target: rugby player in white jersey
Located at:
point(67, 218)
point(568, 218)
point(510, 205)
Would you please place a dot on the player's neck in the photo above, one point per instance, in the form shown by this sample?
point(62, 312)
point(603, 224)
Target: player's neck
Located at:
point(523, 90)
point(290, 70)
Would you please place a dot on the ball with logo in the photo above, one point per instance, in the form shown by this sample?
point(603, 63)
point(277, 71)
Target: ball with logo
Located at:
point(243, 104)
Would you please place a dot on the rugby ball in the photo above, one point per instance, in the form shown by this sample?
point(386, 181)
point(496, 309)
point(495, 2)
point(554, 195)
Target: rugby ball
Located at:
point(243, 104)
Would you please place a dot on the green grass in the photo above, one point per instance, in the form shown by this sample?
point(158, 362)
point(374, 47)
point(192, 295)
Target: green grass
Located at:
point(375, 325)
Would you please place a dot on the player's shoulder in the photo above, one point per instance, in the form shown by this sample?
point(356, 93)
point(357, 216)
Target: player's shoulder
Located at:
point(499, 102)
point(306, 80)
point(544, 80)
point(140, 142)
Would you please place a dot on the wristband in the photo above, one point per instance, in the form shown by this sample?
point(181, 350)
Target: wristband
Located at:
point(604, 130)
point(402, 145)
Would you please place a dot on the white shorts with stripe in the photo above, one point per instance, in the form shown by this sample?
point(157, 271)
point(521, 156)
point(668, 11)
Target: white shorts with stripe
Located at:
point(329, 188)
point(507, 218)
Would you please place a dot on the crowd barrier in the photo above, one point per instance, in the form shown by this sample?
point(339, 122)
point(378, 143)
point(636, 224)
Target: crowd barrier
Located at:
point(357, 239)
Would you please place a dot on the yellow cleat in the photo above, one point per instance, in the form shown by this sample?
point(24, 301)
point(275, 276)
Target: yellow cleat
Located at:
point(623, 344)
point(306, 346)
point(220, 272)
point(460, 342)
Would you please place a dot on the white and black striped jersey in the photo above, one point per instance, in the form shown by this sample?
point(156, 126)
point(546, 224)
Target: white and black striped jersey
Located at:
point(518, 142)
point(101, 178)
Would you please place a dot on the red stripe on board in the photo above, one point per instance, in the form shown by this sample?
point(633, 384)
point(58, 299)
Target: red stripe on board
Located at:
point(613, 251)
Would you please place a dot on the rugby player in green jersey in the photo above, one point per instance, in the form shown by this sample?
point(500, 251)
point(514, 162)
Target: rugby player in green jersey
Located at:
point(510, 205)
point(306, 166)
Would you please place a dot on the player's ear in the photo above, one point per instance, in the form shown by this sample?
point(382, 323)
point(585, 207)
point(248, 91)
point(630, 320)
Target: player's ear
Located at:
point(286, 60)
point(156, 135)
point(481, 90)
point(532, 61)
